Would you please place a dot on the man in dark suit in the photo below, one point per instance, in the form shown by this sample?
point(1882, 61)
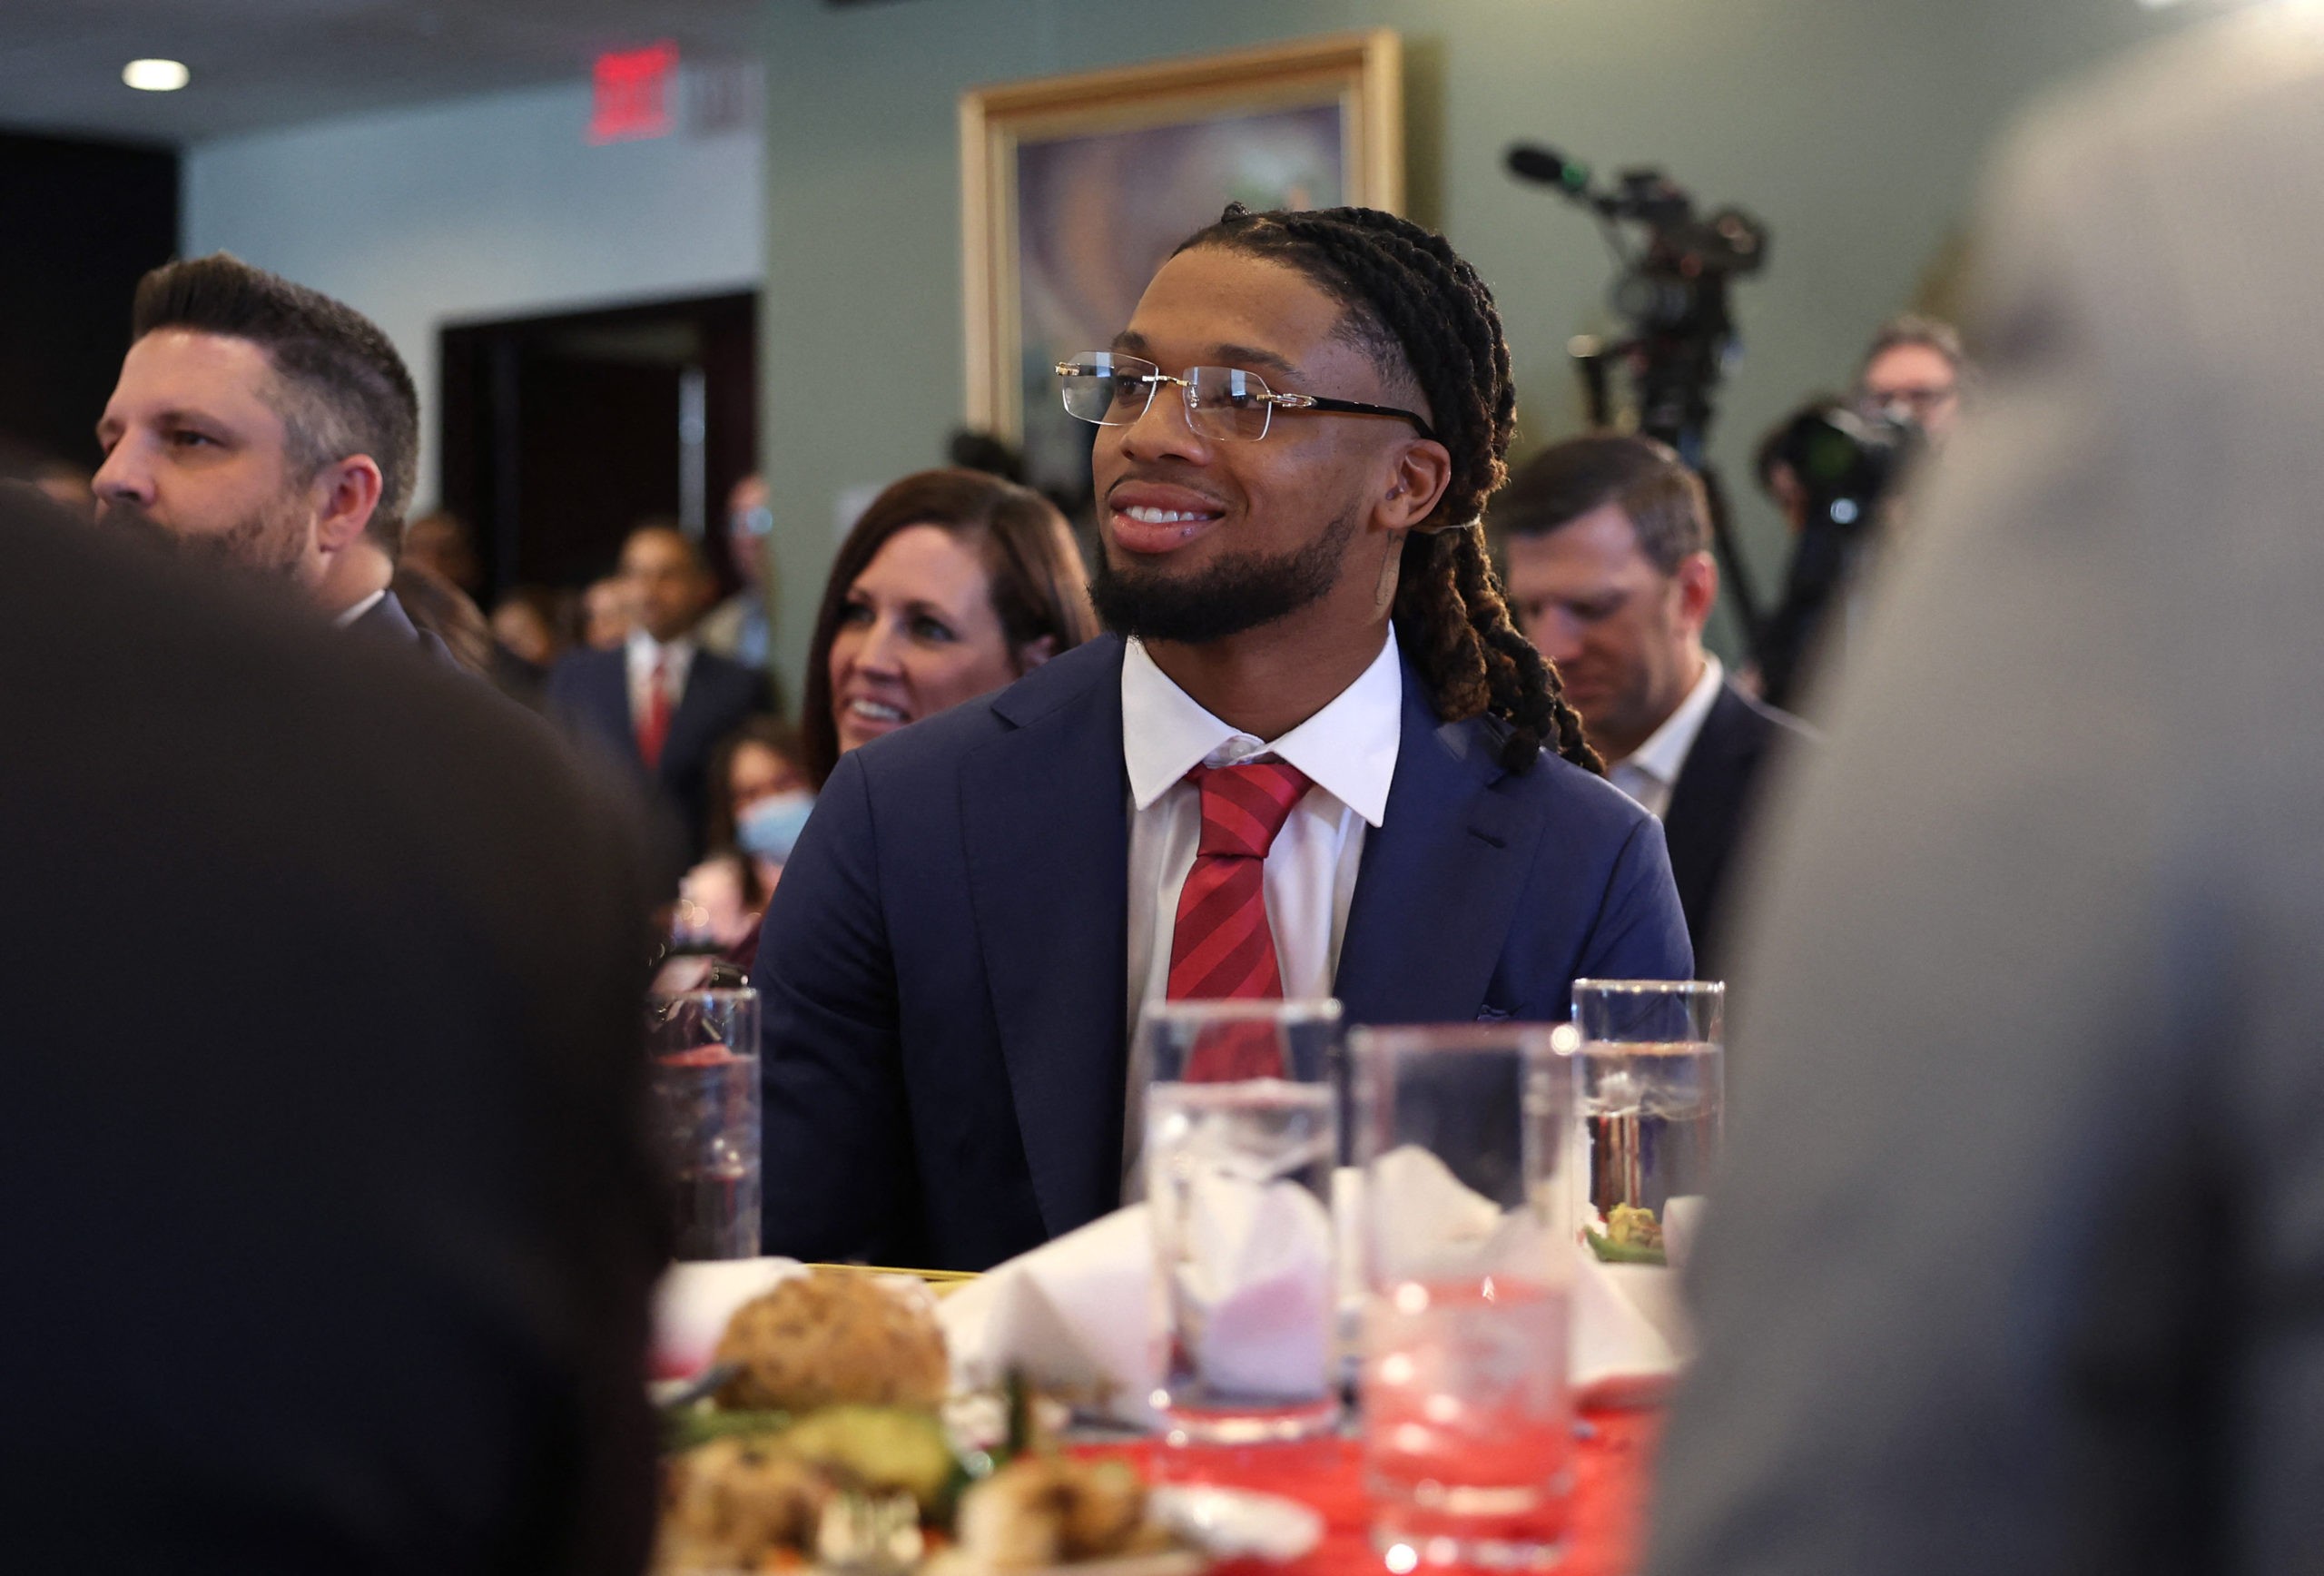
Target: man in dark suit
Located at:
point(329, 1230)
point(659, 701)
point(268, 425)
point(1607, 540)
point(1312, 765)
point(2017, 1263)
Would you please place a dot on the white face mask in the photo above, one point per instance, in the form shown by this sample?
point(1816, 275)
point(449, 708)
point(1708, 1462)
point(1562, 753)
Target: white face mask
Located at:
point(769, 829)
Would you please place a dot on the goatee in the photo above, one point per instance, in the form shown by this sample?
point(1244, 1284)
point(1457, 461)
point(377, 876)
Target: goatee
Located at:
point(1240, 591)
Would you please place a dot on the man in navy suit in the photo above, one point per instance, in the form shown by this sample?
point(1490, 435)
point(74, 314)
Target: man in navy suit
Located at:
point(263, 424)
point(1310, 762)
point(659, 701)
point(1607, 539)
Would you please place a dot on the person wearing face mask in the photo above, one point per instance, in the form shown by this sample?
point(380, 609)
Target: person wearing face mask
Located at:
point(758, 800)
point(953, 585)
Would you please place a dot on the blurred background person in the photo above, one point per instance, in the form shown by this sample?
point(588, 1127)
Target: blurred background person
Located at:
point(1607, 542)
point(532, 627)
point(265, 424)
point(442, 544)
point(607, 614)
point(334, 1234)
point(1914, 373)
point(659, 701)
point(2017, 1264)
point(953, 584)
point(759, 803)
point(436, 608)
point(740, 628)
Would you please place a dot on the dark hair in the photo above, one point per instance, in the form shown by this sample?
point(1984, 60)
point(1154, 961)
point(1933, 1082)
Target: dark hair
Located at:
point(1911, 329)
point(1039, 587)
point(1662, 498)
point(769, 733)
point(343, 389)
point(667, 525)
point(433, 604)
point(1425, 317)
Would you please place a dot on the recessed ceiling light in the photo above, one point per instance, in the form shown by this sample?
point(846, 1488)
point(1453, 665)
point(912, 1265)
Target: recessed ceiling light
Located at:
point(156, 75)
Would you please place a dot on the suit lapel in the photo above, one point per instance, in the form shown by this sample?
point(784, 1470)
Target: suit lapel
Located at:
point(1044, 813)
point(698, 704)
point(1698, 821)
point(1440, 879)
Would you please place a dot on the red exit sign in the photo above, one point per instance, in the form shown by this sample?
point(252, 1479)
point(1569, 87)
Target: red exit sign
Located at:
point(633, 92)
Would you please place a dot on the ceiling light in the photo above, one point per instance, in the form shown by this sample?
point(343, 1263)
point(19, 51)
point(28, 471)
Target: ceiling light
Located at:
point(156, 75)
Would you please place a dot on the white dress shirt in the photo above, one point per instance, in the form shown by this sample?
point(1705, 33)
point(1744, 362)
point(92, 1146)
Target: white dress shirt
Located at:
point(1649, 773)
point(1348, 752)
point(643, 649)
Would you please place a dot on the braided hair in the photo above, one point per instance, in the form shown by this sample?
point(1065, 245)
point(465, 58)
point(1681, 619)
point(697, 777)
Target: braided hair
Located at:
point(1421, 312)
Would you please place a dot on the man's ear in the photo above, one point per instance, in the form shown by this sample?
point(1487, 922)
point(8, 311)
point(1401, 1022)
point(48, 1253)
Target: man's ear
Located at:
point(1697, 580)
point(345, 494)
point(1421, 471)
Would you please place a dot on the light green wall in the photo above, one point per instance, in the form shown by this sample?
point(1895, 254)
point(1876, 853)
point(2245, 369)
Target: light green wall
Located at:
point(1853, 128)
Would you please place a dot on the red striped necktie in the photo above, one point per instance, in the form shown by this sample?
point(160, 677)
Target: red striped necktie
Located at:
point(1221, 947)
point(654, 727)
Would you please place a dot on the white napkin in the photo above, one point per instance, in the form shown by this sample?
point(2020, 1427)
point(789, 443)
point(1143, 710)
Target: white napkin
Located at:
point(693, 1302)
point(1075, 1314)
point(1256, 1284)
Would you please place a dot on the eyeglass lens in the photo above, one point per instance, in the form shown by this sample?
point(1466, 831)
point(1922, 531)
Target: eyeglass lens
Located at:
point(1111, 390)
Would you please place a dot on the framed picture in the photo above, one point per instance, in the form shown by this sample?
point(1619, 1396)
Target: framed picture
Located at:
point(1074, 189)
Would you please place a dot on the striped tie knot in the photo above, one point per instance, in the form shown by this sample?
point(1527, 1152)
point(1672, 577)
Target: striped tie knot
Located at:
point(1244, 806)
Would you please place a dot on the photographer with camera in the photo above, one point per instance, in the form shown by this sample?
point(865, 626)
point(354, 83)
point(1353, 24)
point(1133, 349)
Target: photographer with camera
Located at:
point(1606, 542)
point(1913, 376)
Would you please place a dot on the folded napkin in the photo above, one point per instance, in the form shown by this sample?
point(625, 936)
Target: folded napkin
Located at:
point(1076, 1315)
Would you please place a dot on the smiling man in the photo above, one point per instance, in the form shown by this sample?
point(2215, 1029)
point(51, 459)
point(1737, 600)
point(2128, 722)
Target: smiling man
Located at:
point(265, 425)
point(1608, 542)
point(1310, 761)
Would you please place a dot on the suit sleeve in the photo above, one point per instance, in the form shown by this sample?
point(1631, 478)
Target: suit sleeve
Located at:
point(1641, 932)
point(839, 1178)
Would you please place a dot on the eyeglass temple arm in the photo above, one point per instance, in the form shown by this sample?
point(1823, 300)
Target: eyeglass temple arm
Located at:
point(1352, 408)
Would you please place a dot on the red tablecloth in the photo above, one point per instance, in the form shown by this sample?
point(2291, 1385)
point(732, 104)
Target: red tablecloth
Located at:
point(1610, 1485)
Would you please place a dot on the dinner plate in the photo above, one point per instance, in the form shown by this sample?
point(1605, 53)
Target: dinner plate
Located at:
point(1234, 1523)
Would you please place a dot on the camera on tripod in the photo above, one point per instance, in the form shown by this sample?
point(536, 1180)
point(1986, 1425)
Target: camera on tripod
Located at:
point(1844, 463)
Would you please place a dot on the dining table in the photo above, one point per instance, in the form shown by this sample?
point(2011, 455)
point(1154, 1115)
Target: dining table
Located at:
point(1611, 1457)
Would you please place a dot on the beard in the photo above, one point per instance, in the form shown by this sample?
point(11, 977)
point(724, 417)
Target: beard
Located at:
point(1239, 592)
point(269, 543)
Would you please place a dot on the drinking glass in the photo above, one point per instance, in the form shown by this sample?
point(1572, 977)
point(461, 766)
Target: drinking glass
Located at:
point(1652, 1062)
point(1468, 1424)
point(1241, 1135)
point(704, 1096)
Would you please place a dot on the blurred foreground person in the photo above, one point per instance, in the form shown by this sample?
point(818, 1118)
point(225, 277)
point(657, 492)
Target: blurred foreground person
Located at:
point(659, 702)
point(329, 1227)
point(1607, 539)
point(2020, 1264)
point(266, 425)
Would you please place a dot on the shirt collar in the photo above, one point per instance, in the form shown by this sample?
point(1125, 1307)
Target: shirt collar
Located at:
point(644, 648)
point(349, 616)
point(1664, 754)
point(1348, 749)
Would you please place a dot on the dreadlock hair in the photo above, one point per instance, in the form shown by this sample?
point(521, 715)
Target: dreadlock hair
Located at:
point(1423, 314)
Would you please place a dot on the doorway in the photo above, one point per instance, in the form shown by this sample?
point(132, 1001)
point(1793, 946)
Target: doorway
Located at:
point(561, 433)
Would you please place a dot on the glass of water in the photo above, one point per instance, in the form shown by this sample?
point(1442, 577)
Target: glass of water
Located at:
point(703, 1047)
point(1468, 1424)
point(1653, 1067)
point(1241, 1138)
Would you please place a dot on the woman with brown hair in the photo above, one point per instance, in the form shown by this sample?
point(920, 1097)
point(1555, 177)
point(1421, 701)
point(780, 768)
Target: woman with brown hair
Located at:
point(953, 584)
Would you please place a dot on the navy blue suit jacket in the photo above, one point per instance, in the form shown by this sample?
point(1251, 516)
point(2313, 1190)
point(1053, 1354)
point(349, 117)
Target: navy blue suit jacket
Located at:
point(944, 966)
point(1713, 806)
point(588, 692)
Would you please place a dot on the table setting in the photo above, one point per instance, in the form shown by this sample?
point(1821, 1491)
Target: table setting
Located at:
point(1393, 1299)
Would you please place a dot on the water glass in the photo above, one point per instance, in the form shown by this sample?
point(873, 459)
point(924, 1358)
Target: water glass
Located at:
point(703, 1047)
point(1468, 1422)
point(1652, 1060)
point(1241, 1137)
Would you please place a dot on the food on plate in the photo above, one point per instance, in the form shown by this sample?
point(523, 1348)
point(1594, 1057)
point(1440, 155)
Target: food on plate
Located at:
point(733, 1503)
point(832, 1336)
point(880, 1448)
point(1632, 1236)
point(1040, 1511)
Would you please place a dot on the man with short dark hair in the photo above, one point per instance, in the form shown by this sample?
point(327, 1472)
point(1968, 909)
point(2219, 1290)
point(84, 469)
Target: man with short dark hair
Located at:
point(1607, 541)
point(266, 425)
point(659, 701)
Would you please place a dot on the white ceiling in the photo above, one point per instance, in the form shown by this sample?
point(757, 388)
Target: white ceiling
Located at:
point(269, 63)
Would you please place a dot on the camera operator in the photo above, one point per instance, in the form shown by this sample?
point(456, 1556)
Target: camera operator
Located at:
point(1913, 374)
point(1606, 539)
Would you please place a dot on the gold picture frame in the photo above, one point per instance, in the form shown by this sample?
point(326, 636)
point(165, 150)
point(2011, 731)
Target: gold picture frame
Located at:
point(1138, 153)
